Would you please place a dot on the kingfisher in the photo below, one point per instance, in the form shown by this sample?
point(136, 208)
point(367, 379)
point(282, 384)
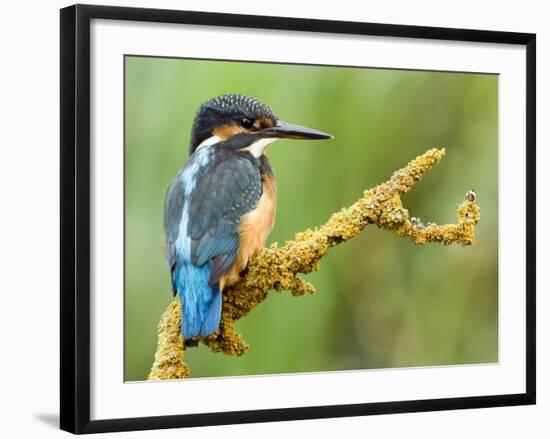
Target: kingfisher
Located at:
point(220, 207)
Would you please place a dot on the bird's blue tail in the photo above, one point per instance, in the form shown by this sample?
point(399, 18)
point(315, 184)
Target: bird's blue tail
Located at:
point(201, 303)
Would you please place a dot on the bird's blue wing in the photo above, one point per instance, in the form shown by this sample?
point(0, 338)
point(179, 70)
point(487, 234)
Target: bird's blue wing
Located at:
point(227, 190)
point(202, 214)
point(173, 208)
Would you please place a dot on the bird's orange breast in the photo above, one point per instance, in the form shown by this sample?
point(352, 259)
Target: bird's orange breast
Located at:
point(254, 229)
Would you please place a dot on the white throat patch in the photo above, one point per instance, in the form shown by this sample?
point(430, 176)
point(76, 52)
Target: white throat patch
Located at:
point(260, 146)
point(207, 142)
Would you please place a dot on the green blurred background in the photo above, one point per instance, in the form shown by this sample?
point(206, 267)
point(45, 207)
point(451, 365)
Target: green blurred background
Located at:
point(381, 301)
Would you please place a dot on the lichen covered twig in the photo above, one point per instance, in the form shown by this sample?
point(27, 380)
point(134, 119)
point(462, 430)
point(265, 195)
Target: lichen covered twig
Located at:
point(278, 267)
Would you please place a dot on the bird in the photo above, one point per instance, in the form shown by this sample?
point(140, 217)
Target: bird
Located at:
point(220, 207)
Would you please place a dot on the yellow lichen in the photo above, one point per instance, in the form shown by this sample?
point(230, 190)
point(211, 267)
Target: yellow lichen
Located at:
point(278, 267)
point(169, 362)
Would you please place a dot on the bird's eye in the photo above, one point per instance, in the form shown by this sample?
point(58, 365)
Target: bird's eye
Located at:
point(247, 123)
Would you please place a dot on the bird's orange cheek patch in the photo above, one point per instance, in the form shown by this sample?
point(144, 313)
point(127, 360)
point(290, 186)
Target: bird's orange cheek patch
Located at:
point(262, 123)
point(226, 131)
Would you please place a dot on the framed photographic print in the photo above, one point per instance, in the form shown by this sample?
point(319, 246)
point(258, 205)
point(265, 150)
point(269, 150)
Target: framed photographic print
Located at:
point(268, 218)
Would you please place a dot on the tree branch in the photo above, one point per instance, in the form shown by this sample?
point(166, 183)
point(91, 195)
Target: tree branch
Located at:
point(278, 267)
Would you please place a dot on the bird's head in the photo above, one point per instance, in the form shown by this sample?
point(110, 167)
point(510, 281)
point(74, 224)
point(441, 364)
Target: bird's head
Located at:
point(243, 123)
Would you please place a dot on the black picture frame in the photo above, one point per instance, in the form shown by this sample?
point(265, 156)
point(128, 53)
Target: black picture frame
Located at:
point(75, 217)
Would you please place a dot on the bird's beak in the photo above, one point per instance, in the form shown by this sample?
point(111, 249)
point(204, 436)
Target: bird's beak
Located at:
point(284, 130)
